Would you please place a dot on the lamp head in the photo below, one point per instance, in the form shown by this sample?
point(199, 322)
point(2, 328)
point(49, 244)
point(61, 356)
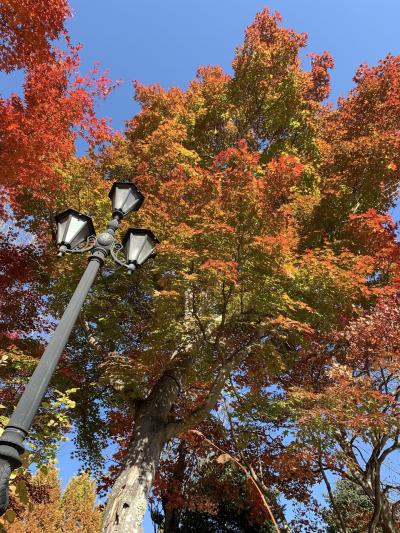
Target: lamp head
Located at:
point(139, 245)
point(73, 228)
point(125, 197)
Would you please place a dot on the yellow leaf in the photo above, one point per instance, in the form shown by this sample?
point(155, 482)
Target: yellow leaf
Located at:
point(223, 458)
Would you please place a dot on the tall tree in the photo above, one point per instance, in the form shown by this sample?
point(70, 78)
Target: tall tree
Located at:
point(261, 243)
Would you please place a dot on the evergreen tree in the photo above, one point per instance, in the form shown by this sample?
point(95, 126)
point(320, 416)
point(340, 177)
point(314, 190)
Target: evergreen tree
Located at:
point(354, 507)
point(49, 511)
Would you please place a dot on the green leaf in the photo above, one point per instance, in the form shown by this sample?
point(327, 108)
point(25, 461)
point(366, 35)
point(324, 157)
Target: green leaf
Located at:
point(10, 516)
point(22, 491)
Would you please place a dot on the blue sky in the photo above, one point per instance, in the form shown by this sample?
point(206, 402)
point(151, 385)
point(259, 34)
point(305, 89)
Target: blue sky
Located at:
point(165, 41)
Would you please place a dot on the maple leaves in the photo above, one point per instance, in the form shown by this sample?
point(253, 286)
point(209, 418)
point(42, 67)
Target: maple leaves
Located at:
point(38, 131)
point(360, 144)
point(274, 97)
point(320, 65)
point(27, 29)
point(17, 304)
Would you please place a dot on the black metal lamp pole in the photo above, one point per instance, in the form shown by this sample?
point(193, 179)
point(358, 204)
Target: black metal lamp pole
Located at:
point(74, 229)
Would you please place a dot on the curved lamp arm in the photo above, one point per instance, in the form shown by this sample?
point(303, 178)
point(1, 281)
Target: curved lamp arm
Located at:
point(115, 250)
point(89, 245)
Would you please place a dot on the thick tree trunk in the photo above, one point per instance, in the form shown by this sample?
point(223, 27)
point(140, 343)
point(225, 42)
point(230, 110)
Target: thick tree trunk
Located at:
point(127, 501)
point(382, 515)
point(387, 523)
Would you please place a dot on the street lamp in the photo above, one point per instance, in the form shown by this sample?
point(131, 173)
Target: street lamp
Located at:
point(139, 245)
point(125, 197)
point(73, 229)
point(75, 234)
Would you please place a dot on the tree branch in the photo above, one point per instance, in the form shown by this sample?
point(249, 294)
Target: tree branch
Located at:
point(332, 498)
point(247, 474)
point(90, 338)
point(196, 416)
point(389, 450)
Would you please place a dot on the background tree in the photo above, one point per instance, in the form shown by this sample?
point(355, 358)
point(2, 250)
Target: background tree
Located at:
point(353, 505)
point(355, 429)
point(37, 138)
point(74, 511)
point(38, 130)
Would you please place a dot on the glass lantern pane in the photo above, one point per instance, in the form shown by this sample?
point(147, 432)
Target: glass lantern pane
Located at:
point(130, 200)
point(134, 246)
point(74, 228)
point(146, 250)
point(61, 226)
point(119, 197)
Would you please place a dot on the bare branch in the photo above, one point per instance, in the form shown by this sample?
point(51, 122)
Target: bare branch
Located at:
point(90, 338)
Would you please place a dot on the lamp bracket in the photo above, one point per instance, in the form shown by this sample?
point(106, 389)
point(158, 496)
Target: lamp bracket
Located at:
point(115, 250)
point(81, 248)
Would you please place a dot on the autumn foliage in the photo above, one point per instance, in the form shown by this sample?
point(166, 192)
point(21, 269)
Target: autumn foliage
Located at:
point(258, 353)
point(51, 510)
point(38, 130)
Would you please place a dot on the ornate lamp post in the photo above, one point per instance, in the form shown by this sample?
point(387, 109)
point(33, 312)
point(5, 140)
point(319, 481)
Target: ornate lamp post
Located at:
point(75, 234)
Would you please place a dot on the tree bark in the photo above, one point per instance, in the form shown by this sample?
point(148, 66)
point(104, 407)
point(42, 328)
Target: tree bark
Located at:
point(387, 523)
point(126, 504)
point(382, 515)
